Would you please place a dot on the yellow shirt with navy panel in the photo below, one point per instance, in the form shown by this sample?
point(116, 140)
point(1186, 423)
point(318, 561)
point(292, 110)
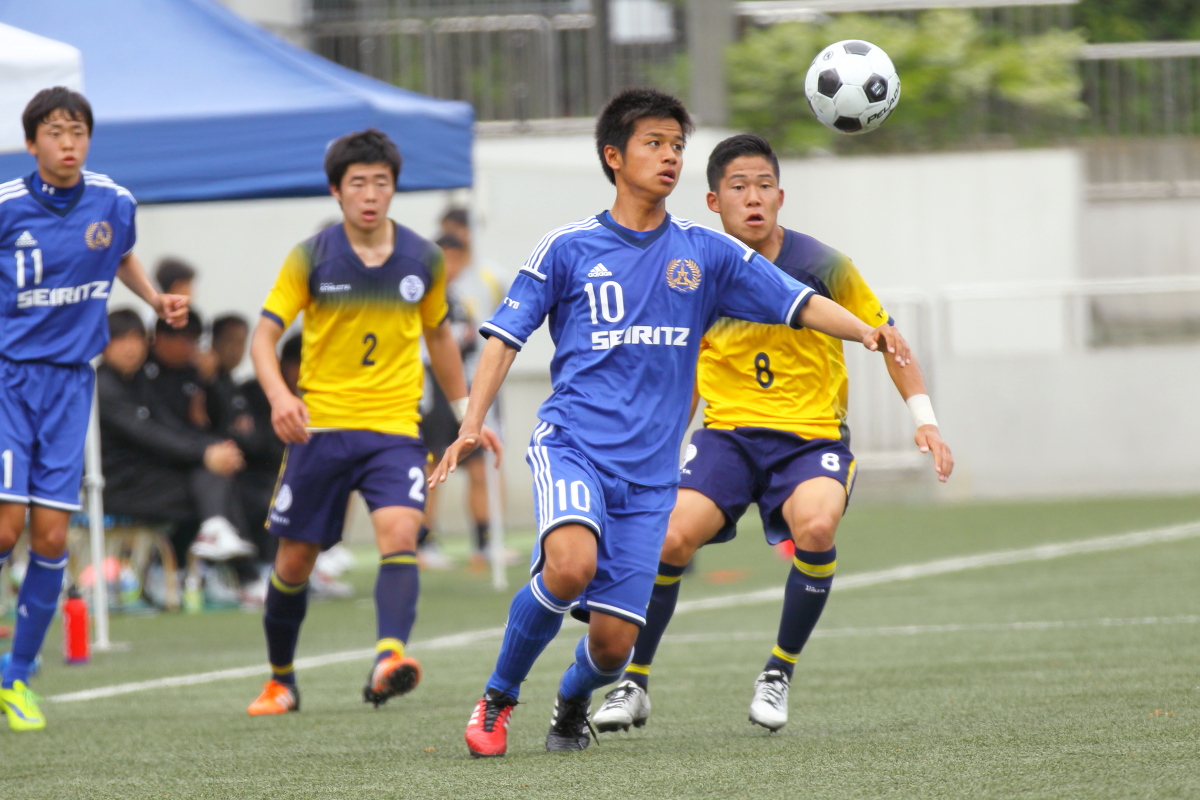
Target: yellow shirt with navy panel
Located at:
point(360, 363)
point(773, 376)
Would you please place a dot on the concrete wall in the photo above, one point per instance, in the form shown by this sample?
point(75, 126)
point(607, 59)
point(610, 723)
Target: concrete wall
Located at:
point(1024, 415)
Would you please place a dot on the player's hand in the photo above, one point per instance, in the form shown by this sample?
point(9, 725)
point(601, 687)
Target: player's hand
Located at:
point(929, 440)
point(173, 308)
point(289, 418)
point(887, 338)
point(462, 447)
point(491, 442)
point(224, 459)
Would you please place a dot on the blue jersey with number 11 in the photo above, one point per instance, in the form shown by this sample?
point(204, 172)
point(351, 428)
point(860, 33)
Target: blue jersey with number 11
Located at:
point(627, 313)
point(57, 265)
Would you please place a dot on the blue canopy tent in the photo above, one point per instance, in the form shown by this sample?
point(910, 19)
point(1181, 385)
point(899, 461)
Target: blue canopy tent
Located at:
point(194, 103)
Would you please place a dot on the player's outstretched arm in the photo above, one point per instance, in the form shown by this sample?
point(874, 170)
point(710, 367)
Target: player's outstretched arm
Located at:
point(289, 415)
point(910, 382)
point(445, 360)
point(171, 307)
point(823, 315)
point(494, 363)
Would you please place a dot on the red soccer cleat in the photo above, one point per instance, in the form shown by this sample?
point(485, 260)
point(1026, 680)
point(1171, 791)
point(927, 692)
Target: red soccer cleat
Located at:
point(487, 732)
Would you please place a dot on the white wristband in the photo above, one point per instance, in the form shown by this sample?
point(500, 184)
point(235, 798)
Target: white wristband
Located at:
point(459, 407)
point(922, 410)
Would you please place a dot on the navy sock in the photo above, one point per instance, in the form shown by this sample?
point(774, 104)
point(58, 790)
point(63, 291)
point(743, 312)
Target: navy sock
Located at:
point(533, 621)
point(808, 585)
point(422, 535)
point(36, 602)
point(396, 591)
point(658, 616)
point(282, 615)
point(481, 536)
point(584, 676)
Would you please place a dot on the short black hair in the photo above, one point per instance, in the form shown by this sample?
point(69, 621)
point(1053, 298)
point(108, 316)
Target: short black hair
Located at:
point(450, 242)
point(226, 321)
point(123, 322)
point(618, 119)
point(744, 144)
point(371, 146)
point(457, 216)
point(57, 98)
point(290, 352)
point(192, 329)
point(171, 270)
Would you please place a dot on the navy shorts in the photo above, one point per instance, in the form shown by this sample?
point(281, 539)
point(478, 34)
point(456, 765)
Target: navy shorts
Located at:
point(317, 477)
point(760, 465)
point(629, 520)
point(44, 413)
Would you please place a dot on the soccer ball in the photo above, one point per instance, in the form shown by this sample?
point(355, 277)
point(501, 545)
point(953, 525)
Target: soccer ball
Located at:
point(852, 86)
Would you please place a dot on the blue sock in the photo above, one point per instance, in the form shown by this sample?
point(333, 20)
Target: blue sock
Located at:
point(533, 621)
point(396, 591)
point(283, 613)
point(584, 677)
point(808, 585)
point(36, 602)
point(658, 616)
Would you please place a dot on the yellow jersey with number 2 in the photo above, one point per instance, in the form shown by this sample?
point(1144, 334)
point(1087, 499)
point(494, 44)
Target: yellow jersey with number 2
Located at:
point(360, 365)
point(773, 376)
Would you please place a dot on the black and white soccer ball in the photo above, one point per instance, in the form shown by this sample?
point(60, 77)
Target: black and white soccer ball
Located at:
point(852, 86)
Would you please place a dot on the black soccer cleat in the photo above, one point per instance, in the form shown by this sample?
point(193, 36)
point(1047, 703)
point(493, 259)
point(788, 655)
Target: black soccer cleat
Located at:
point(570, 728)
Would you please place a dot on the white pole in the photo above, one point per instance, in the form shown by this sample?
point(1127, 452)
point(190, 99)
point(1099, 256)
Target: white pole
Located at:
point(93, 482)
point(495, 524)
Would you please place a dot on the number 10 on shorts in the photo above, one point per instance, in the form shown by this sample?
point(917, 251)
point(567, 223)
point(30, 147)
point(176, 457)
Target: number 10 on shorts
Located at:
point(581, 499)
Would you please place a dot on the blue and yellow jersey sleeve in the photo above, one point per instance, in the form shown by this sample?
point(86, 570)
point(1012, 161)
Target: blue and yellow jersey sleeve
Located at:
point(771, 376)
point(434, 307)
point(289, 296)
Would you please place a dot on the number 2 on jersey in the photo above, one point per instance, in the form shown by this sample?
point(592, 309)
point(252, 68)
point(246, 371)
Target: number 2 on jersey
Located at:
point(370, 341)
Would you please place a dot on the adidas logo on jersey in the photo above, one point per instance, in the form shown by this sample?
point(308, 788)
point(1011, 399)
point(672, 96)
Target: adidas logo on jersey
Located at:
point(26, 240)
point(599, 271)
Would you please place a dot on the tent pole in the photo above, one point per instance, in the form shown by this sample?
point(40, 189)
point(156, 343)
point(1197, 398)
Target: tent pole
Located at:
point(93, 482)
point(495, 526)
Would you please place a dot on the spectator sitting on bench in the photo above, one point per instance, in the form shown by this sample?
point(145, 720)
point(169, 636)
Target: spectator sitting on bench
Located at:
point(171, 374)
point(155, 466)
point(228, 411)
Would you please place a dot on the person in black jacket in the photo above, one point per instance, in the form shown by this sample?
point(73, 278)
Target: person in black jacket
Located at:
point(155, 466)
point(228, 412)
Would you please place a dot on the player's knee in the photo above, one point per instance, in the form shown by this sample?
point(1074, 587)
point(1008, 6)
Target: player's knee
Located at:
point(815, 532)
point(677, 550)
point(612, 650)
point(567, 579)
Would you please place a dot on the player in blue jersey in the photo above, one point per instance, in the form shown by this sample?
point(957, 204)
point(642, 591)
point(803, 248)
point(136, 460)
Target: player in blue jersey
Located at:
point(628, 294)
point(65, 234)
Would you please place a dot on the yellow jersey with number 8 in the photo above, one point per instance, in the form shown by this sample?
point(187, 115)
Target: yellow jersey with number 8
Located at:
point(360, 366)
point(772, 376)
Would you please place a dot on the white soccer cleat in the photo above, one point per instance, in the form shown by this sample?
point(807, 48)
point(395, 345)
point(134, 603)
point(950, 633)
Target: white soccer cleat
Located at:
point(769, 707)
point(218, 540)
point(626, 705)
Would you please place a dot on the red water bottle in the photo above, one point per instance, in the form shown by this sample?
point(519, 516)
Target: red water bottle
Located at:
point(76, 648)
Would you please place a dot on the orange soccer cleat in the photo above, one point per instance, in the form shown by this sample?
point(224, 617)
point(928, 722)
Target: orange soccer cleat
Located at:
point(276, 698)
point(391, 676)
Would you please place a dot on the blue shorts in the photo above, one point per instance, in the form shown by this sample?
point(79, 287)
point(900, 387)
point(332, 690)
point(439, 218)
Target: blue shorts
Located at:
point(760, 465)
point(44, 413)
point(317, 477)
point(629, 520)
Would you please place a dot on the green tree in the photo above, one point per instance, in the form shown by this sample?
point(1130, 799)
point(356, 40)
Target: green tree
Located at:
point(960, 85)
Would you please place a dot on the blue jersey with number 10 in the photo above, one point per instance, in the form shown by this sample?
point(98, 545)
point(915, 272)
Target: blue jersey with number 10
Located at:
point(627, 314)
point(57, 266)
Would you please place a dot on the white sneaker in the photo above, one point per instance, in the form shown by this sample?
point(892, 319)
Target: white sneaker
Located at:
point(335, 561)
point(218, 540)
point(321, 586)
point(626, 705)
point(431, 557)
point(769, 707)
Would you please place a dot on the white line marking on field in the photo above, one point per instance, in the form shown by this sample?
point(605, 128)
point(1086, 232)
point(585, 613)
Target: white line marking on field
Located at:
point(943, 566)
point(916, 630)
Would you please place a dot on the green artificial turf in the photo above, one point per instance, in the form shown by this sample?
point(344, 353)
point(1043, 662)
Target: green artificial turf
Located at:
point(924, 688)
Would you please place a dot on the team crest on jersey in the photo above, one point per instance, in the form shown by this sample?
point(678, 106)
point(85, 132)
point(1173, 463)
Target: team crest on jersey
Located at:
point(412, 288)
point(99, 236)
point(283, 500)
point(683, 274)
